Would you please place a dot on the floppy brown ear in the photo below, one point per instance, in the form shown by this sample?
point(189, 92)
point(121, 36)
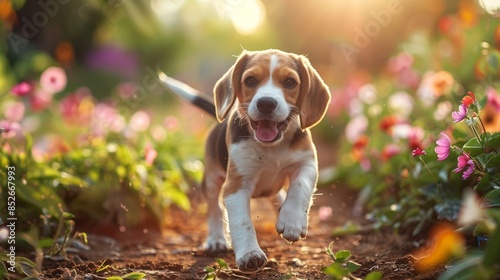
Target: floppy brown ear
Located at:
point(314, 95)
point(227, 87)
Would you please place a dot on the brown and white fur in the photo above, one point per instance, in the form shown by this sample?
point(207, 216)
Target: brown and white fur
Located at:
point(262, 147)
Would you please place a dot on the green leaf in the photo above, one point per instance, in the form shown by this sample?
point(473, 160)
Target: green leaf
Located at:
point(494, 140)
point(462, 270)
point(209, 276)
point(375, 275)
point(3, 271)
point(491, 199)
point(27, 267)
point(492, 254)
point(114, 278)
point(484, 184)
point(221, 263)
point(347, 229)
point(473, 147)
point(342, 256)
point(493, 162)
point(353, 266)
point(287, 276)
point(134, 276)
point(209, 269)
point(336, 271)
point(329, 250)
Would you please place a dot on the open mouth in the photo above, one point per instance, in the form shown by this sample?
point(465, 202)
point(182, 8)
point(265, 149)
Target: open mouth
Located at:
point(267, 130)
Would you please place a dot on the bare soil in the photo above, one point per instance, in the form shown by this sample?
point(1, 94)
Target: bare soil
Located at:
point(175, 252)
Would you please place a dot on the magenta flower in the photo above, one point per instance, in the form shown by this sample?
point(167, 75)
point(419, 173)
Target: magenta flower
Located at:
point(459, 115)
point(53, 79)
point(465, 164)
point(22, 89)
point(443, 147)
point(418, 152)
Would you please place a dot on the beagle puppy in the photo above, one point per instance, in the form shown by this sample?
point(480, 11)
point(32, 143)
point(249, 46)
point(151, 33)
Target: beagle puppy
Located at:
point(262, 147)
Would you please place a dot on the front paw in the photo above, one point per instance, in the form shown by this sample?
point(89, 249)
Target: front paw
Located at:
point(251, 261)
point(292, 224)
point(216, 245)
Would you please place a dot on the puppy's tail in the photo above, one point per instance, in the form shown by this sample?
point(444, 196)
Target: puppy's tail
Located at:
point(188, 93)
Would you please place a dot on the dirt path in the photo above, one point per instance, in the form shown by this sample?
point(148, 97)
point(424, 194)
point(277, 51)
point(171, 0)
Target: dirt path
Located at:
point(175, 253)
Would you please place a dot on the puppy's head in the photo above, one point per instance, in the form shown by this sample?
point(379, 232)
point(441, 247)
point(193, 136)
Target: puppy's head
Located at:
point(273, 88)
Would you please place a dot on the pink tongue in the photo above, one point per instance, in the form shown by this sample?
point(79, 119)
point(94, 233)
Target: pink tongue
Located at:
point(267, 130)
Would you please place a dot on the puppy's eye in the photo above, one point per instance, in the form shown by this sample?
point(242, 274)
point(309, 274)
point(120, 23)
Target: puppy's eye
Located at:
point(289, 83)
point(251, 82)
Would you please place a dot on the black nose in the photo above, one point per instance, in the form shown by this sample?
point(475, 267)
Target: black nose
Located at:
point(266, 105)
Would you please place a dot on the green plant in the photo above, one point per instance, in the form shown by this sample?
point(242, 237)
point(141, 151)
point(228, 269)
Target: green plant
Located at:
point(214, 271)
point(221, 267)
point(342, 267)
point(23, 266)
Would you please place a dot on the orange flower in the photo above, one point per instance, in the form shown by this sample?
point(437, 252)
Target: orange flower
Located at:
point(65, 53)
point(445, 243)
point(388, 122)
point(469, 99)
point(442, 82)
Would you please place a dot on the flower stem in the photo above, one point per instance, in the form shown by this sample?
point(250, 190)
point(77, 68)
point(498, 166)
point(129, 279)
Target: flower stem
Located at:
point(427, 167)
point(479, 139)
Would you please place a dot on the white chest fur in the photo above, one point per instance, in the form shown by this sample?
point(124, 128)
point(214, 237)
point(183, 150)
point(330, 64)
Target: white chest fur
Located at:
point(265, 170)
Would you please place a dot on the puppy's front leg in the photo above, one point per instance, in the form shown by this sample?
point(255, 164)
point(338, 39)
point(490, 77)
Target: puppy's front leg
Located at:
point(249, 256)
point(294, 213)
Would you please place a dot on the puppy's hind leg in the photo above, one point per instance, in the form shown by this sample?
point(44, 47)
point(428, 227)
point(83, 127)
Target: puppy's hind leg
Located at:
point(216, 240)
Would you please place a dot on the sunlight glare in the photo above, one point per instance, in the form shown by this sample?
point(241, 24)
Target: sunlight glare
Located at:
point(492, 7)
point(162, 8)
point(247, 16)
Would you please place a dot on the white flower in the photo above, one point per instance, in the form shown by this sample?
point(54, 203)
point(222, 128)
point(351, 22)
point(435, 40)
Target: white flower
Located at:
point(368, 94)
point(443, 110)
point(401, 102)
point(471, 211)
point(355, 128)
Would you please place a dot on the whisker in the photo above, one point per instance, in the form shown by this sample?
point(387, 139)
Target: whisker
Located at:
point(296, 111)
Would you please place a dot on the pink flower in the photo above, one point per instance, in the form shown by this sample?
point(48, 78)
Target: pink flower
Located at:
point(150, 154)
point(459, 115)
point(466, 164)
point(390, 151)
point(418, 152)
point(443, 147)
point(40, 100)
point(325, 212)
point(9, 129)
point(106, 118)
point(355, 128)
point(140, 121)
point(171, 123)
point(415, 138)
point(493, 98)
point(77, 108)
point(53, 79)
point(14, 111)
point(22, 89)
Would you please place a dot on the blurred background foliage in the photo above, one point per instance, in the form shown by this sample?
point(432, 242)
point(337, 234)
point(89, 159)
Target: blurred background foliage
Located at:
point(112, 138)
